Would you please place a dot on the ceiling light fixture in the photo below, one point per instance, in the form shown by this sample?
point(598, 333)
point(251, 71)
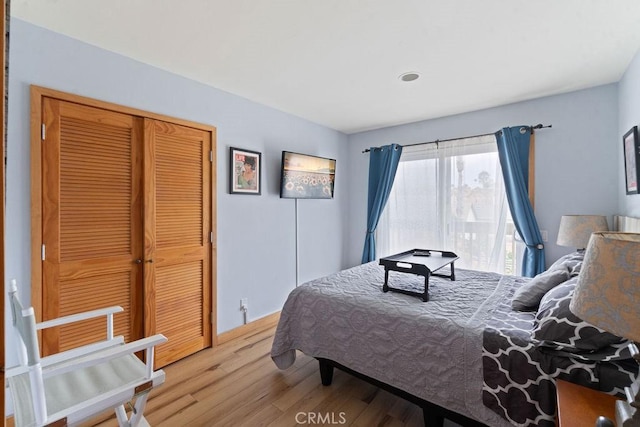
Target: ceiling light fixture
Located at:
point(409, 77)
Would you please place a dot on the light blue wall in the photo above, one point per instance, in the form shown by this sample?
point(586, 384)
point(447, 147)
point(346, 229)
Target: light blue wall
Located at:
point(576, 160)
point(629, 109)
point(256, 234)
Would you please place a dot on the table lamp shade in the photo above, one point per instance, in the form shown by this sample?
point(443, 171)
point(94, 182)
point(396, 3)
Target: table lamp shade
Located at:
point(575, 230)
point(608, 291)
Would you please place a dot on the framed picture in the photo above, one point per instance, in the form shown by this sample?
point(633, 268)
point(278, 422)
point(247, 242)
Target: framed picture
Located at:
point(631, 160)
point(245, 168)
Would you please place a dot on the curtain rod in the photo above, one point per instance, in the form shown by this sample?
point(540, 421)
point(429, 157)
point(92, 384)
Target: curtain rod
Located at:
point(538, 126)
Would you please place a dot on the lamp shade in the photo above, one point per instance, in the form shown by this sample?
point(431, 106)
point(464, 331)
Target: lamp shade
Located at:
point(608, 291)
point(575, 230)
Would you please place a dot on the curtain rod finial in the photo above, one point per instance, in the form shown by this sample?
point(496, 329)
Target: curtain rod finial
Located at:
point(540, 126)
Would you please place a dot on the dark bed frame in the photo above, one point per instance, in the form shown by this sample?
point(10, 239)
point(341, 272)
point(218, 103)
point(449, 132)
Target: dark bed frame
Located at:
point(434, 415)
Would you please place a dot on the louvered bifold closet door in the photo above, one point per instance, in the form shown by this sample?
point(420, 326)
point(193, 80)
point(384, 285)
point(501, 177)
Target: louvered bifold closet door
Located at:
point(92, 221)
point(177, 226)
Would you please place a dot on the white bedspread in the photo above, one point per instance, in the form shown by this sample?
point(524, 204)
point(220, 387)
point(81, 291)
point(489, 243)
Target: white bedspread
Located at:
point(431, 349)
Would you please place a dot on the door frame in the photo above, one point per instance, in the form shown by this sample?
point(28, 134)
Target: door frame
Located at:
point(37, 95)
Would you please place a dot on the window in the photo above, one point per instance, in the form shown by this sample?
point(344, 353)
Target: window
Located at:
point(450, 196)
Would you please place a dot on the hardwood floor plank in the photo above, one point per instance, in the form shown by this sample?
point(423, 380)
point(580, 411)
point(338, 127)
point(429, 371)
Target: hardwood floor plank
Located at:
point(249, 353)
point(236, 384)
point(377, 413)
point(263, 417)
point(237, 381)
point(251, 398)
point(189, 386)
point(404, 411)
point(248, 403)
point(291, 396)
point(307, 403)
point(246, 394)
point(343, 406)
point(159, 413)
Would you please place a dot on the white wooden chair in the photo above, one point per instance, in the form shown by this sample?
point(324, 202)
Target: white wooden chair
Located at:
point(69, 387)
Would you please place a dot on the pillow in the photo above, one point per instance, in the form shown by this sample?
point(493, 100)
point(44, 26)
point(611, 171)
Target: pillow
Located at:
point(572, 262)
point(557, 328)
point(528, 296)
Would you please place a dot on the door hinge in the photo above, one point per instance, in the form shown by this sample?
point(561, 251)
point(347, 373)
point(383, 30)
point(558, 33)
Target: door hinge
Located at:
point(44, 253)
point(211, 237)
point(211, 317)
point(211, 156)
point(43, 131)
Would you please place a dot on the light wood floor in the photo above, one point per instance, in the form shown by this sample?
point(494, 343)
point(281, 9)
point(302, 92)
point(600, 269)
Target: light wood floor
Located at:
point(237, 384)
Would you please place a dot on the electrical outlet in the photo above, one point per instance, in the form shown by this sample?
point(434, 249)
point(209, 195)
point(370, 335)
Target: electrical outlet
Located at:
point(544, 235)
point(244, 303)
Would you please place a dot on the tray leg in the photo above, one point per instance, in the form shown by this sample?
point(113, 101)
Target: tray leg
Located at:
point(425, 295)
point(385, 287)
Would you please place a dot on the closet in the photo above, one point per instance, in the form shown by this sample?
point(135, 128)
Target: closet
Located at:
point(123, 213)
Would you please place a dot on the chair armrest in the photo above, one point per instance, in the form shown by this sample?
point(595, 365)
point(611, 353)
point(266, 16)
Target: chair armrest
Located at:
point(103, 355)
point(78, 317)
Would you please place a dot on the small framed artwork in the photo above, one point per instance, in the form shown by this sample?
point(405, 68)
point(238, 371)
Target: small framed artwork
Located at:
point(244, 171)
point(631, 160)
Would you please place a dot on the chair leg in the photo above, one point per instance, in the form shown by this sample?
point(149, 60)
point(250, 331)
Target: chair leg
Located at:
point(137, 418)
point(121, 413)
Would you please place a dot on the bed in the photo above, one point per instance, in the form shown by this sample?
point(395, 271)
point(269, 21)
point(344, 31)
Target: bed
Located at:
point(466, 355)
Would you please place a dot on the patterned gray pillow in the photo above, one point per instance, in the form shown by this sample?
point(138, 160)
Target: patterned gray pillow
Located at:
point(528, 296)
point(557, 328)
point(572, 262)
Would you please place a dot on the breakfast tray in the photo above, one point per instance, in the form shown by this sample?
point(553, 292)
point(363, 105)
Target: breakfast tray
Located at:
point(422, 262)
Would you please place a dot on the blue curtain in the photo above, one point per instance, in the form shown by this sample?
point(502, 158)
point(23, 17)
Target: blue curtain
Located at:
point(383, 163)
point(513, 149)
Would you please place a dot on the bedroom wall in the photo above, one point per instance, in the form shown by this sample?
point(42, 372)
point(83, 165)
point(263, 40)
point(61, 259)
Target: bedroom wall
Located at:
point(576, 160)
point(255, 234)
point(629, 116)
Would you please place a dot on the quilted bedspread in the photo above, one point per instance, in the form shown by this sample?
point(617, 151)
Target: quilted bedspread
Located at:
point(432, 349)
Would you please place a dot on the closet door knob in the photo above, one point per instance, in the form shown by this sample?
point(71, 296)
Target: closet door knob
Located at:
point(138, 261)
point(149, 261)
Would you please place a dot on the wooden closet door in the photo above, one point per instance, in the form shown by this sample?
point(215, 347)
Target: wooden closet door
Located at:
point(177, 244)
point(91, 220)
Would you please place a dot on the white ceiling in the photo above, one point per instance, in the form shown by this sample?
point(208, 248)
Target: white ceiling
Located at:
point(337, 62)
